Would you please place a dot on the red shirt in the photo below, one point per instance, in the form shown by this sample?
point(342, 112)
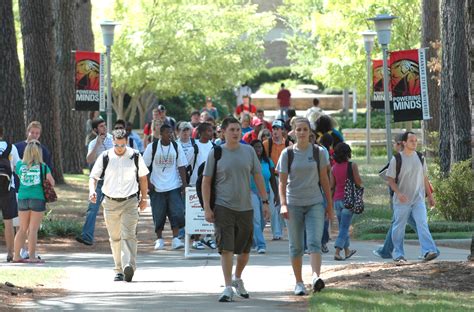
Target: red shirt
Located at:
point(241, 108)
point(147, 129)
point(284, 96)
point(250, 136)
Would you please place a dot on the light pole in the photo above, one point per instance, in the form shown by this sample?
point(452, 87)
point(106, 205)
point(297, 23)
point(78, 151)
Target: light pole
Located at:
point(108, 28)
point(369, 37)
point(383, 26)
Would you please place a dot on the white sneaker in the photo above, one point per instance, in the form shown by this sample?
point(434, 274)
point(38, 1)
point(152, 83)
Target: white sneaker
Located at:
point(226, 295)
point(261, 251)
point(176, 243)
point(160, 244)
point(300, 289)
point(317, 283)
point(240, 290)
point(198, 245)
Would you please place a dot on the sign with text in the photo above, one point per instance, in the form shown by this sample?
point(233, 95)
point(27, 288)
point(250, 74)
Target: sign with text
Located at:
point(195, 221)
point(89, 81)
point(409, 85)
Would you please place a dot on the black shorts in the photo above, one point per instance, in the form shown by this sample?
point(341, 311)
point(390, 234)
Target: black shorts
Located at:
point(234, 230)
point(9, 205)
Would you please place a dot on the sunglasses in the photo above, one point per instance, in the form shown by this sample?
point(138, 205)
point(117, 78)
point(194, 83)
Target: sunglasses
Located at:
point(120, 145)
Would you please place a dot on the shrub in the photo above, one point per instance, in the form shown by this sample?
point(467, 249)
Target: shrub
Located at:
point(453, 194)
point(55, 226)
point(377, 121)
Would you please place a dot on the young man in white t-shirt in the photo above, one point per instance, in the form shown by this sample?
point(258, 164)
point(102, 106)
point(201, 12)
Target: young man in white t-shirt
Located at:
point(168, 177)
point(8, 203)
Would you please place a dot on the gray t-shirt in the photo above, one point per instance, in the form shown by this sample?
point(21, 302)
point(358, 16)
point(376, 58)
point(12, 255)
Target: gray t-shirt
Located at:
point(303, 181)
point(411, 180)
point(233, 176)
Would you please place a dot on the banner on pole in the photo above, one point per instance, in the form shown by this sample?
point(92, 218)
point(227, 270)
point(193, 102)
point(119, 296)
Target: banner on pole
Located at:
point(377, 80)
point(89, 80)
point(410, 96)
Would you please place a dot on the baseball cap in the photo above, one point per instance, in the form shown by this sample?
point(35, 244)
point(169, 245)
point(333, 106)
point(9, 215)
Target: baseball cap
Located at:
point(161, 108)
point(185, 125)
point(256, 122)
point(278, 124)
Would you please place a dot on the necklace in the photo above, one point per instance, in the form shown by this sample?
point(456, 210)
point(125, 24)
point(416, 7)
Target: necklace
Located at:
point(166, 159)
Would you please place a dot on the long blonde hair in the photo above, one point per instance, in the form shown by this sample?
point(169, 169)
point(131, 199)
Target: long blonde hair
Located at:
point(33, 153)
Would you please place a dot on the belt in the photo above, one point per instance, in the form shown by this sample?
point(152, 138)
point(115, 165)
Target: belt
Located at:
point(122, 198)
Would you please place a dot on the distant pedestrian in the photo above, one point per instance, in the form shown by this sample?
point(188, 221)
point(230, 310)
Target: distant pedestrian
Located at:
point(313, 113)
point(125, 187)
point(241, 91)
point(284, 101)
point(302, 169)
point(245, 108)
point(209, 107)
point(232, 212)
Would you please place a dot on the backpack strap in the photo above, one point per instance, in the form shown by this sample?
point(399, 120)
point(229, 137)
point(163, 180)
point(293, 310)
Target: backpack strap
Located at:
point(130, 142)
point(350, 174)
point(217, 156)
point(287, 142)
point(135, 160)
point(398, 165)
point(316, 159)
point(270, 146)
point(421, 157)
point(291, 156)
point(105, 163)
point(153, 152)
point(175, 145)
point(7, 151)
point(196, 152)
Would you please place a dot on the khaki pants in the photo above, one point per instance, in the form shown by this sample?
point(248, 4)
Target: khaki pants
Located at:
point(121, 219)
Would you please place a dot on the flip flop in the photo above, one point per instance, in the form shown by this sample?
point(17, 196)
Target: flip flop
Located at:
point(36, 261)
point(351, 253)
point(339, 258)
point(21, 261)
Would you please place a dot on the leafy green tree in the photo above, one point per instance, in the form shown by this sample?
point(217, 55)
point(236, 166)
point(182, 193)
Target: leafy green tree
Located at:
point(326, 43)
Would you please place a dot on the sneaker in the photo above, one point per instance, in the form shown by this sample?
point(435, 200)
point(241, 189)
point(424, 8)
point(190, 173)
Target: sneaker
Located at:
point(209, 242)
point(300, 289)
point(160, 244)
point(377, 253)
point(176, 243)
point(324, 248)
point(226, 295)
point(24, 253)
point(83, 241)
point(238, 284)
point(198, 245)
point(400, 260)
point(118, 277)
point(318, 283)
point(430, 256)
point(128, 272)
point(261, 251)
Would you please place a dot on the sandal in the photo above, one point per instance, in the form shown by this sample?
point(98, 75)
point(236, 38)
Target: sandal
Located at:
point(38, 260)
point(338, 258)
point(351, 253)
point(21, 260)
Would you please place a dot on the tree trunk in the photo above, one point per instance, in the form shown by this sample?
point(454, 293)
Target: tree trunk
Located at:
point(72, 122)
point(11, 89)
point(40, 94)
point(455, 85)
point(430, 32)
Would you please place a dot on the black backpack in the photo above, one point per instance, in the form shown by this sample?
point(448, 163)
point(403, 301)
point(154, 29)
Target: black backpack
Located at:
point(217, 156)
point(5, 171)
point(291, 156)
point(190, 168)
point(153, 152)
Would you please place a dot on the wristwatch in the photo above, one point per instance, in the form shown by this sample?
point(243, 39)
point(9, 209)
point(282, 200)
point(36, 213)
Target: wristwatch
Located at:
point(265, 201)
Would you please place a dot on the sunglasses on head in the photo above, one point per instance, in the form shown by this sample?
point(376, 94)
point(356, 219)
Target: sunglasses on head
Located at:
point(34, 143)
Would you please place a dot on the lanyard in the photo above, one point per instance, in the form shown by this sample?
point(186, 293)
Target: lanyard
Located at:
point(167, 155)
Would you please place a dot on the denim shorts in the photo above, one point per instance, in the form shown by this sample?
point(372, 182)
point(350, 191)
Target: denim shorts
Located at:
point(167, 204)
point(309, 218)
point(37, 205)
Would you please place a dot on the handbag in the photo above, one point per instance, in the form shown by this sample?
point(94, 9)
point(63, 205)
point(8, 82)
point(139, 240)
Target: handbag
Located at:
point(353, 194)
point(49, 192)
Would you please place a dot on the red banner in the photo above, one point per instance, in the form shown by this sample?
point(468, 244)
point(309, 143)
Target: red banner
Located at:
point(88, 81)
point(377, 80)
point(405, 81)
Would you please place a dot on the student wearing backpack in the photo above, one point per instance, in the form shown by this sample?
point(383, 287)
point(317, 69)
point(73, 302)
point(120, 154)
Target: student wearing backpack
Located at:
point(125, 187)
point(167, 164)
point(410, 187)
point(342, 155)
point(8, 204)
point(300, 167)
point(31, 200)
point(232, 208)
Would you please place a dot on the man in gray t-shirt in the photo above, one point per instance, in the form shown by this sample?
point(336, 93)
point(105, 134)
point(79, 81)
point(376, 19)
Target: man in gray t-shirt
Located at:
point(232, 213)
point(409, 198)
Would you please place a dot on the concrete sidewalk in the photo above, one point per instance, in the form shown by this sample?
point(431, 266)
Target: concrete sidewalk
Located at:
point(165, 281)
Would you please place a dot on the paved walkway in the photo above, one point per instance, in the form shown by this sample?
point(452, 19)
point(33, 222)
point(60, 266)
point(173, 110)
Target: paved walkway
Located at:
point(165, 281)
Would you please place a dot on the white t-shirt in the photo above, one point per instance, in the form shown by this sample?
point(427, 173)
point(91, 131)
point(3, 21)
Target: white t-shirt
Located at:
point(165, 176)
point(13, 157)
point(120, 178)
point(204, 149)
point(188, 150)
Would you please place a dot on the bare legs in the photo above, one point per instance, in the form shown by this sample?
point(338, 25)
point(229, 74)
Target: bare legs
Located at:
point(227, 262)
point(30, 222)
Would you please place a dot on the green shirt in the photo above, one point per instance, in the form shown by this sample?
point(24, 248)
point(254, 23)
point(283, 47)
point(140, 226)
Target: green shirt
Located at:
point(31, 186)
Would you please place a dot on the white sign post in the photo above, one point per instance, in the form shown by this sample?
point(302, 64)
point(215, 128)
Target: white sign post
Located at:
point(195, 224)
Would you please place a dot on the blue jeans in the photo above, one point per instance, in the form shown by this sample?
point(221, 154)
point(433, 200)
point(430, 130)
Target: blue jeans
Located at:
point(91, 214)
point(386, 250)
point(300, 218)
point(344, 217)
point(276, 219)
point(325, 238)
point(165, 204)
point(401, 214)
point(258, 221)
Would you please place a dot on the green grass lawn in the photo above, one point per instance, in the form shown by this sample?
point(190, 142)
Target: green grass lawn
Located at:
point(373, 223)
point(365, 300)
point(32, 277)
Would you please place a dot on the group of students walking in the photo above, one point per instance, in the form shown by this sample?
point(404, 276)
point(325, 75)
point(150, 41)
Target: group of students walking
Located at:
point(296, 184)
